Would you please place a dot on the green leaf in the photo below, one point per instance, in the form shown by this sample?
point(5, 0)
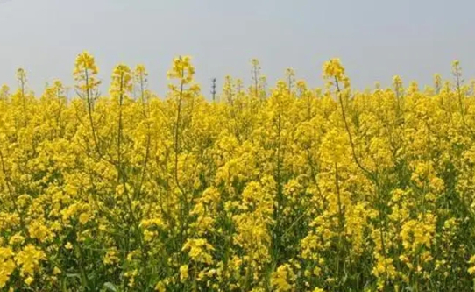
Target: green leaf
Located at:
point(73, 275)
point(110, 286)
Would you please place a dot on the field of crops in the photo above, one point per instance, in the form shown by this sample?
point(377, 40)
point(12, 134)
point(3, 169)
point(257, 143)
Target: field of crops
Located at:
point(267, 188)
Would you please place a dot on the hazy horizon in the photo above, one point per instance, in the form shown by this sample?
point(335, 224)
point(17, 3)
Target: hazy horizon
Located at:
point(412, 39)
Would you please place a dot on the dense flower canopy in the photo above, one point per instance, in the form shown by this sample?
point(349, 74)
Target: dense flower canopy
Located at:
point(267, 189)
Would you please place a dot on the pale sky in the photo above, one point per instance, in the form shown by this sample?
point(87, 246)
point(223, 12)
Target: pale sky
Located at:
point(375, 39)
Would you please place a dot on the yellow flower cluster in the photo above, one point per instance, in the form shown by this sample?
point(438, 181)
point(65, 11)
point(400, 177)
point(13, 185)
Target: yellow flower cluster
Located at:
point(283, 188)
